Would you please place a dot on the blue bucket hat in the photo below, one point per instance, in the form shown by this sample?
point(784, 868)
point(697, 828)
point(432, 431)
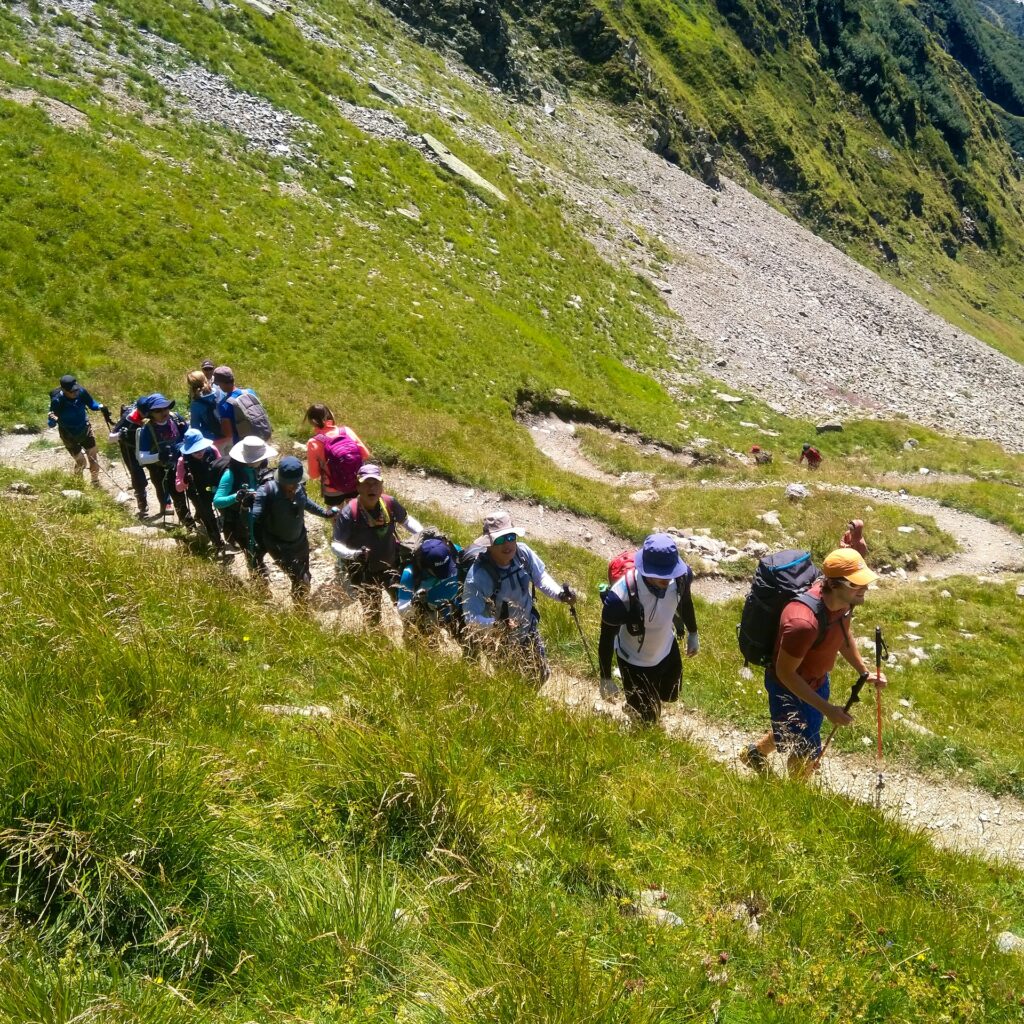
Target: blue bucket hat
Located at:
point(659, 558)
point(193, 442)
point(157, 401)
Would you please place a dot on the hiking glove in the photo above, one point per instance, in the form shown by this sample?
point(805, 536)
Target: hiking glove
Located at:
point(609, 689)
point(692, 644)
point(51, 420)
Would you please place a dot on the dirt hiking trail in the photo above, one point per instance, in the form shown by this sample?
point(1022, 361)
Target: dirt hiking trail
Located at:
point(954, 816)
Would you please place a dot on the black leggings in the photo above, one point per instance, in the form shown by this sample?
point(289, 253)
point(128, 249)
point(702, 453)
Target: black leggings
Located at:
point(202, 501)
point(647, 688)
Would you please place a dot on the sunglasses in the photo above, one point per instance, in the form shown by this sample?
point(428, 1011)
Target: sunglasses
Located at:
point(505, 538)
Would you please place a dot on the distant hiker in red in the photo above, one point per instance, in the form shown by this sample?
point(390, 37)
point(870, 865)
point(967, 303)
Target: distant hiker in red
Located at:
point(854, 538)
point(812, 455)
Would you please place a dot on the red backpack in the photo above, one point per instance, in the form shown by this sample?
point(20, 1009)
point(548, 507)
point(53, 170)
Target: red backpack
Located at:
point(343, 458)
point(619, 566)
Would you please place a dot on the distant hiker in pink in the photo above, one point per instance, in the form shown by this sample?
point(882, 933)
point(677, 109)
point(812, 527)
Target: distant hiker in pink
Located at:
point(334, 455)
point(854, 538)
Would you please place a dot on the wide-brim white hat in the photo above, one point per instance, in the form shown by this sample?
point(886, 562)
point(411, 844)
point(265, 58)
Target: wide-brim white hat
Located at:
point(252, 450)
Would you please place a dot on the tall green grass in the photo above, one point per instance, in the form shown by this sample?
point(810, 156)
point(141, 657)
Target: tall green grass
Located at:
point(447, 846)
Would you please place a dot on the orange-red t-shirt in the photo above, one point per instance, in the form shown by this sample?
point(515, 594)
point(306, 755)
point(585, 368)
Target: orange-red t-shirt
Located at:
point(798, 630)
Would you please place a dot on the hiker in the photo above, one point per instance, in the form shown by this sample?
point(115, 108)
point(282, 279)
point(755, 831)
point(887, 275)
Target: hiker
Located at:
point(124, 434)
point(234, 497)
point(854, 537)
point(806, 646)
point(333, 456)
point(644, 613)
point(208, 366)
point(811, 454)
point(762, 457)
point(428, 592)
point(204, 399)
point(69, 413)
point(241, 412)
point(366, 539)
point(158, 448)
point(197, 474)
point(498, 594)
point(279, 523)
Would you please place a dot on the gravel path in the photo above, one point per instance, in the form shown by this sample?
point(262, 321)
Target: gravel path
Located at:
point(956, 817)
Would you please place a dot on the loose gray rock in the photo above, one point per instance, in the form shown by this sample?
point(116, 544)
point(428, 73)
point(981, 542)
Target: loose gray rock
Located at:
point(796, 492)
point(450, 162)
point(298, 711)
point(1007, 942)
point(71, 495)
point(770, 518)
point(24, 428)
point(645, 497)
point(831, 427)
point(386, 94)
point(20, 487)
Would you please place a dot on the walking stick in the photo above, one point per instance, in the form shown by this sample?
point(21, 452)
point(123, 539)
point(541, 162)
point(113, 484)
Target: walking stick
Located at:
point(879, 648)
point(576, 618)
point(853, 699)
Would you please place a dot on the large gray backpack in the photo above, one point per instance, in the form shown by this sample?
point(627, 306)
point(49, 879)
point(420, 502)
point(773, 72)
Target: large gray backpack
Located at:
point(250, 416)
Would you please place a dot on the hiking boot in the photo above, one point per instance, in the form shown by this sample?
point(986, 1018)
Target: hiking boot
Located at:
point(142, 515)
point(753, 759)
point(95, 482)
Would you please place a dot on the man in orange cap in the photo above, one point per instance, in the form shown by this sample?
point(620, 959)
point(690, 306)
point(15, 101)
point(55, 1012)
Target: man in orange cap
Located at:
point(813, 630)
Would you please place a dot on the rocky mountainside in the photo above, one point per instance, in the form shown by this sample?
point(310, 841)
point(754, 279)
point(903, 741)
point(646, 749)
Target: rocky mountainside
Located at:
point(890, 129)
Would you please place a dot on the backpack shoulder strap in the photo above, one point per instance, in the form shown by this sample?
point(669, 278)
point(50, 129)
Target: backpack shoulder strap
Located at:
point(817, 605)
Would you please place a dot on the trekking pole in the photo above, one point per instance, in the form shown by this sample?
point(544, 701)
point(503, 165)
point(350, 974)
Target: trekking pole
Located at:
point(854, 699)
point(879, 648)
point(583, 637)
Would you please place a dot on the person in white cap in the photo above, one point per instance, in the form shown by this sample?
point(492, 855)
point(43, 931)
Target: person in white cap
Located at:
point(366, 538)
point(235, 493)
point(499, 591)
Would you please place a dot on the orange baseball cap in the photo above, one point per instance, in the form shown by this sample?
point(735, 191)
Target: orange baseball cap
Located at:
point(847, 564)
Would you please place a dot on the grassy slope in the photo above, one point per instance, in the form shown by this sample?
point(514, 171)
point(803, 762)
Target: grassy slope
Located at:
point(168, 852)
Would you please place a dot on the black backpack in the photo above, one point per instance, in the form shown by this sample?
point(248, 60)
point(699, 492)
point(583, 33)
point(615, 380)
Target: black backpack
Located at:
point(780, 578)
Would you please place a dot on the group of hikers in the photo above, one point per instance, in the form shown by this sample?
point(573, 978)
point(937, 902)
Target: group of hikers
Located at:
point(213, 470)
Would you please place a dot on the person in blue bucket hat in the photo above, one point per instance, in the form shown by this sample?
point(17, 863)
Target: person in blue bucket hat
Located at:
point(645, 612)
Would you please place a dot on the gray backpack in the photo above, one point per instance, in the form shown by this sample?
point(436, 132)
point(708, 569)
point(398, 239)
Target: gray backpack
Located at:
point(250, 416)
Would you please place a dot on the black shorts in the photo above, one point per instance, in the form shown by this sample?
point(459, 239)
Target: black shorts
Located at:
point(82, 441)
point(646, 689)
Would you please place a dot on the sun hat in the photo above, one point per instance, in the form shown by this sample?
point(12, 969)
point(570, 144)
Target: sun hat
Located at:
point(193, 442)
point(437, 558)
point(289, 470)
point(659, 558)
point(69, 382)
point(847, 564)
point(497, 524)
point(252, 450)
point(157, 401)
point(207, 364)
point(369, 471)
